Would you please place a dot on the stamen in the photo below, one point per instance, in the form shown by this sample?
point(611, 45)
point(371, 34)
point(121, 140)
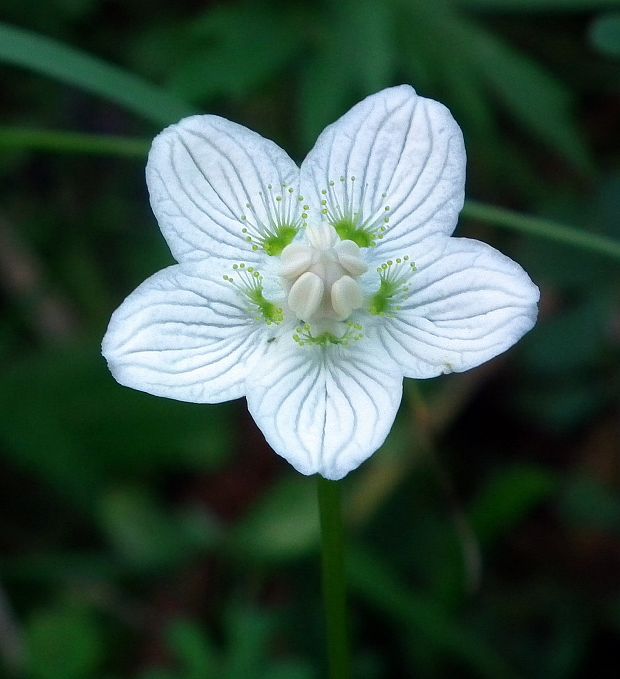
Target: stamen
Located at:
point(283, 220)
point(338, 206)
point(249, 284)
point(346, 295)
point(306, 295)
point(394, 276)
point(352, 332)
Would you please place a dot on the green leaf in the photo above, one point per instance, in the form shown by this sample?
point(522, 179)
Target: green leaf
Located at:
point(236, 49)
point(587, 504)
point(571, 341)
point(194, 651)
point(507, 498)
point(60, 567)
point(248, 635)
point(442, 46)
point(283, 525)
point(64, 643)
point(365, 33)
point(90, 431)
point(73, 67)
point(146, 534)
point(354, 56)
point(563, 404)
point(528, 93)
point(527, 6)
point(605, 34)
point(324, 94)
point(423, 620)
point(75, 8)
point(159, 673)
point(290, 670)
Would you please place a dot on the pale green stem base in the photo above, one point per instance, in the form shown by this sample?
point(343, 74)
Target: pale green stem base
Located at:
point(334, 581)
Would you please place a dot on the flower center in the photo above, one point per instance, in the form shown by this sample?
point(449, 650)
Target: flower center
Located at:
point(321, 276)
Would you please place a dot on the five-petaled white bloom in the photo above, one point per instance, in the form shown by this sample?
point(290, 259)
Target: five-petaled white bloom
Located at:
point(313, 291)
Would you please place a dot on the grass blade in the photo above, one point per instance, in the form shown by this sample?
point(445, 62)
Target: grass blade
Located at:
point(73, 67)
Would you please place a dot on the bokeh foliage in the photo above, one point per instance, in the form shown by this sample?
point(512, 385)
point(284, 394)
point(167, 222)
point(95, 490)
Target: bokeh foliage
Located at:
point(158, 540)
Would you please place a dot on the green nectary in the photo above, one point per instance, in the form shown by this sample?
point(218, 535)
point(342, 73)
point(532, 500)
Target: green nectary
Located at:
point(393, 286)
point(347, 229)
point(250, 284)
point(381, 301)
point(271, 313)
point(273, 245)
point(303, 336)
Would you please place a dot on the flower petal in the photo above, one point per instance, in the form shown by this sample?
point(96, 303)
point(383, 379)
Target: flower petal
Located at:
point(324, 409)
point(466, 304)
point(185, 334)
point(205, 174)
point(394, 154)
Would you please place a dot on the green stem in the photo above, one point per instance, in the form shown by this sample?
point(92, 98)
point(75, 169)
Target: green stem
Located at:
point(542, 228)
point(334, 586)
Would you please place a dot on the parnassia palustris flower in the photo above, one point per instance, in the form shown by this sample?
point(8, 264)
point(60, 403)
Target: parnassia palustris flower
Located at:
point(313, 291)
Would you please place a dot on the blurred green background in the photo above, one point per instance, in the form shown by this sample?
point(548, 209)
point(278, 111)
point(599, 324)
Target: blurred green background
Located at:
point(145, 538)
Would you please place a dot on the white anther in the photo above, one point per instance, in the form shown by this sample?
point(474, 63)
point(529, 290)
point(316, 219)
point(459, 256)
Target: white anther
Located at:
point(346, 296)
point(322, 236)
point(306, 295)
point(295, 259)
point(350, 257)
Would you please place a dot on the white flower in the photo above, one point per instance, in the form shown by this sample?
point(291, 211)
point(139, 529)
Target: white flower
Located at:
point(313, 291)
